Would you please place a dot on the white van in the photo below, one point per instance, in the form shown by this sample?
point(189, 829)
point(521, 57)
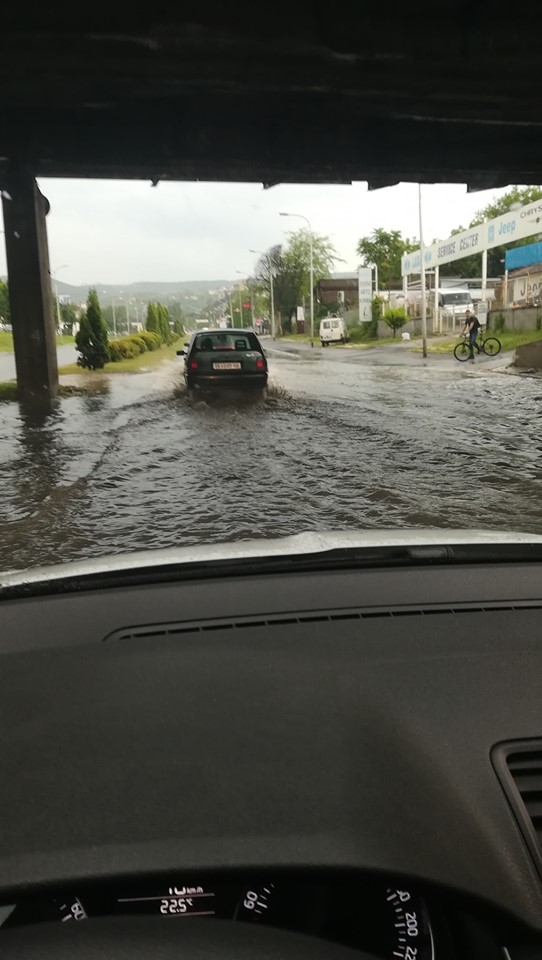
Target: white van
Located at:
point(333, 330)
point(454, 302)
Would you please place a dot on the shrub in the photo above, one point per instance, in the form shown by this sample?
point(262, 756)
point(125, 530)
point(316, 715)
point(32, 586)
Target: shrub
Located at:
point(357, 333)
point(152, 340)
point(539, 322)
point(114, 351)
point(123, 349)
point(499, 323)
point(139, 343)
point(395, 319)
point(371, 328)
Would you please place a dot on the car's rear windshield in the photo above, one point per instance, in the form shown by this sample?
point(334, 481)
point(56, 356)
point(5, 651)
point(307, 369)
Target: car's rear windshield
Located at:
point(207, 342)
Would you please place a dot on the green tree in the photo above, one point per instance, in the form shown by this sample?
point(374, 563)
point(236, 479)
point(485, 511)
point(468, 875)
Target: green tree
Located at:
point(395, 319)
point(163, 322)
point(91, 340)
point(385, 249)
point(5, 312)
point(290, 267)
point(151, 322)
point(68, 316)
point(178, 327)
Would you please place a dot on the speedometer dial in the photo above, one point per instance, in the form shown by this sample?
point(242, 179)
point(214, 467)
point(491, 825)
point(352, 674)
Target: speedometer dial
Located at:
point(255, 903)
point(410, 931)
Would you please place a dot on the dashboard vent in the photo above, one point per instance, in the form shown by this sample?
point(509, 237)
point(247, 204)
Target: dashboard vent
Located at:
point(151, 630)
point(519, 768)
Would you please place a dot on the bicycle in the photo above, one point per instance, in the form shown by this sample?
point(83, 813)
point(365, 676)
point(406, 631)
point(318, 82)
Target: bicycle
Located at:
point(491, 346)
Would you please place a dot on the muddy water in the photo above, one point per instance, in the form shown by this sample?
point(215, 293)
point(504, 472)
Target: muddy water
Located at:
point(336, 445)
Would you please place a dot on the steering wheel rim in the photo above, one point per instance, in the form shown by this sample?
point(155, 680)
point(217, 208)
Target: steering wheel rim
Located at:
point(156, 938)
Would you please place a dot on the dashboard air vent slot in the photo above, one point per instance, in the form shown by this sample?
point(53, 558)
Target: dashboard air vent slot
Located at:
point(151, 630)
point(519, 767)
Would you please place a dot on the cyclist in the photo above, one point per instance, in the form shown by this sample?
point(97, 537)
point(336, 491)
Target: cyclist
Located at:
point(471, 328)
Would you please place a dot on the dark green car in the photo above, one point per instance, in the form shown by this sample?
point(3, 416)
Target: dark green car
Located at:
point(219, 359)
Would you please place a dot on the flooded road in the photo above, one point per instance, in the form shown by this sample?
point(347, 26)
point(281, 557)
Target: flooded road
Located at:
point(344, 441)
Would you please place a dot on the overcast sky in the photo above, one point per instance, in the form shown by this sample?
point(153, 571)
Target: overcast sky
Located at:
point(125, 231)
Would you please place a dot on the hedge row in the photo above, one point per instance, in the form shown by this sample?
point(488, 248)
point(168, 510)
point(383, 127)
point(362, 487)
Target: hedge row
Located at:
point(127, 347)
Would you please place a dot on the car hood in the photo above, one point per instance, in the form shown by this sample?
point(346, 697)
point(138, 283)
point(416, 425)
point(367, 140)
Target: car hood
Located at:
point(304, 545)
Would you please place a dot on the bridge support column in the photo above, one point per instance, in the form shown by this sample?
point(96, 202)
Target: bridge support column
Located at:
point(27, 253)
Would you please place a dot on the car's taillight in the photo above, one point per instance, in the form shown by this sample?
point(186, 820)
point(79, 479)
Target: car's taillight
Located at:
point(193, 364)
point(260, 364)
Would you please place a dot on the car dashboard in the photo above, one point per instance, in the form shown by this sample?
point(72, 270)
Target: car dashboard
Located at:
point(349, 754)
point(371, 913)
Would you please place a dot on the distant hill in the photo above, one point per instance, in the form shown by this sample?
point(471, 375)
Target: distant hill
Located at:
point(193, 295)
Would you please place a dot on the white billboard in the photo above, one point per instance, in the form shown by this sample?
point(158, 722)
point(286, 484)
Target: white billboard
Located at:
point(461, 245)
point(365, 294)
point(514, 225)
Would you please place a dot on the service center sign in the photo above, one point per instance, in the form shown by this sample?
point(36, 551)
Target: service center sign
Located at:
point(461, 245)
point(514, 225)
point(410, 262)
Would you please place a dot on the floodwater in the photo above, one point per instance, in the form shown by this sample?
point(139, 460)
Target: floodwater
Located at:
point(344, 441)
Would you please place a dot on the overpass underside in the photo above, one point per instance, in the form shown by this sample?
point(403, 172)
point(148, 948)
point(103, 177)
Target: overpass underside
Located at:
point(314, 94)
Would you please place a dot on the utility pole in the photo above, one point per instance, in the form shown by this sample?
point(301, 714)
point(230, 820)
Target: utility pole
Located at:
point(422, 276)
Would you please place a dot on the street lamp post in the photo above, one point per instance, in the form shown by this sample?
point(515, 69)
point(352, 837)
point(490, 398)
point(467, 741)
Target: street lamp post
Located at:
point(422, 275)
point(307, 221)
point(375, 265)
point(114, 319)
point(54, 273)
point(261, 252)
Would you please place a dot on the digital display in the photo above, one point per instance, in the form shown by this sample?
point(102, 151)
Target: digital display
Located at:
point(176, 901)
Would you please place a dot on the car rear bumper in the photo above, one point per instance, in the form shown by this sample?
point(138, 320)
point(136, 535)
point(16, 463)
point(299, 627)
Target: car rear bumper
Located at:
point(217, 381)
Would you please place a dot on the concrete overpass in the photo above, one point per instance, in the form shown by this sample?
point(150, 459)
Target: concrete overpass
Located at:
point(308, 93)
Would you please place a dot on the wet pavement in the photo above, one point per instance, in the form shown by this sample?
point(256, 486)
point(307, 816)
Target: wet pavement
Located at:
point(65, 354)
point(346, 439)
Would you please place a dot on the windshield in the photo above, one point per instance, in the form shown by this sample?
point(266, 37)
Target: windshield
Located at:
point(226, 341)
point(455, 298)
point(238, 364)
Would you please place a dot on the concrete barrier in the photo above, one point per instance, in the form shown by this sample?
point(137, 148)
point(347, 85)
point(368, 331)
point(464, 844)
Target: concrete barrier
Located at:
point(529, 356)
point(522, 318)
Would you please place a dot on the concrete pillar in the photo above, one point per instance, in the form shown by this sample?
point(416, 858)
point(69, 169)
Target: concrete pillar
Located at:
point(27, 253)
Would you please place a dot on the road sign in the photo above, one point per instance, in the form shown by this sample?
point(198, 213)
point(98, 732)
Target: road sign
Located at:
point(365, 292)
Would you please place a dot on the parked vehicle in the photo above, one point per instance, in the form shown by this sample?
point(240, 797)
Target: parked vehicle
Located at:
point(455, 302)
point(333, 330)
point(218, 359)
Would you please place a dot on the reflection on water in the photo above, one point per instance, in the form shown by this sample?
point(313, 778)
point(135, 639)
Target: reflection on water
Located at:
point(142, 467)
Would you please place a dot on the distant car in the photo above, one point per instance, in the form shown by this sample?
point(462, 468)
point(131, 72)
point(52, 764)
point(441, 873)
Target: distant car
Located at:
point(222, 359)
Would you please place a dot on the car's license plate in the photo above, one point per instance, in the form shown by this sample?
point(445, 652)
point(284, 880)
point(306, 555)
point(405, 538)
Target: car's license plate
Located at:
point(226, 366)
